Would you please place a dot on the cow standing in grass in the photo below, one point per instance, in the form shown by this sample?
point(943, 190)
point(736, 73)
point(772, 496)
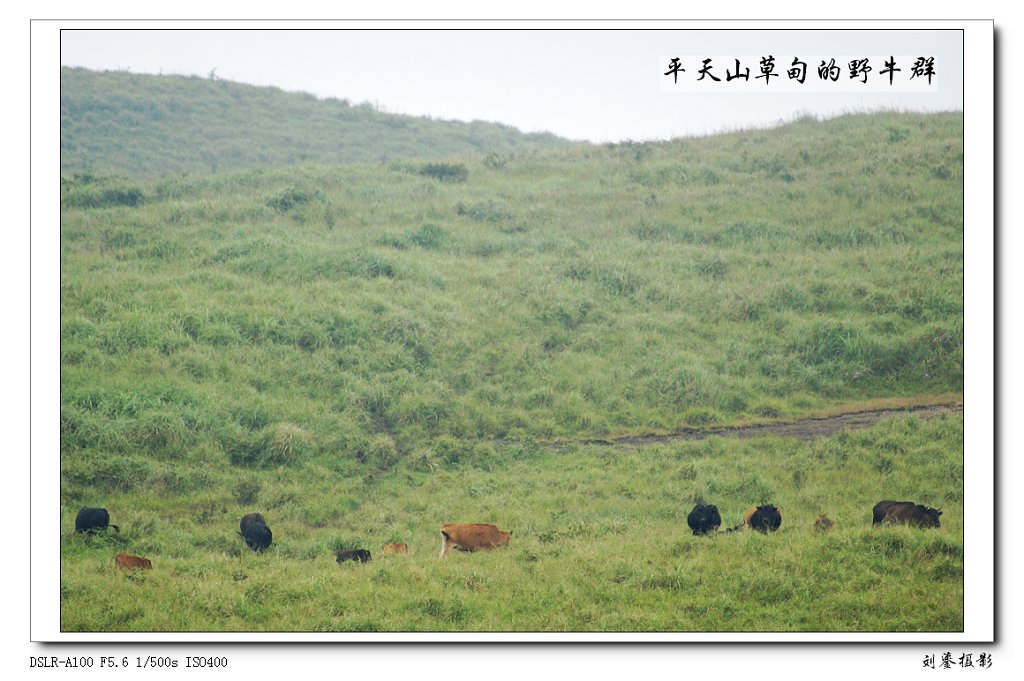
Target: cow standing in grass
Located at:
point(704, 518)
point(91, 519)
point(472, 537)
point(256, 533)
point(905, 513)
point(765, 518)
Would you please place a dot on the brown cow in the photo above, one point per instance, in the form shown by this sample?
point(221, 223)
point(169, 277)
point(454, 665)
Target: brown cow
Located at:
point(129, 562)
point(471, 537)
point(395, 548)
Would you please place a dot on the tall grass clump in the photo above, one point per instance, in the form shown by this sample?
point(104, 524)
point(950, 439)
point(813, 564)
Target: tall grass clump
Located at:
point(445, 172)
point(87, 190)
point(278, 444)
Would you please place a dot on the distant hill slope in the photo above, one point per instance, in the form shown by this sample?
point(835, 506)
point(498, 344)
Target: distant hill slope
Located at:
point(146, 126)
point(367, 313)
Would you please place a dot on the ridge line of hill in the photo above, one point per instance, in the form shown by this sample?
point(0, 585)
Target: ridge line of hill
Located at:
point(148, 126)
point(805, 429)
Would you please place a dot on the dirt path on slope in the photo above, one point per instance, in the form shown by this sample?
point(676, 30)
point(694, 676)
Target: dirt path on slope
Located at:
point(804, 429)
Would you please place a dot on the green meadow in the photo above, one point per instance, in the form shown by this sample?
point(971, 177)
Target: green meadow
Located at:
point(599, 543)
point(364, 351)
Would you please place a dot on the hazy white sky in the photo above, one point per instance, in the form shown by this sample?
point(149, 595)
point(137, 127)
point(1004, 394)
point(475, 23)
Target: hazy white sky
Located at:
point(601, 85)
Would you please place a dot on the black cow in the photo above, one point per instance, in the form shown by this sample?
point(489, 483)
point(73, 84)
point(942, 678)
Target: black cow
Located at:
point(905, 513)
point(361, 555)
point(703, 519)
point(91, 519)
point(248, 519)
point(766, 518)
point(257, 536)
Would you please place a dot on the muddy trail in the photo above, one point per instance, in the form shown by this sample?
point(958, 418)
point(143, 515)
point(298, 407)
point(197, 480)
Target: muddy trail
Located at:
point(804, 429)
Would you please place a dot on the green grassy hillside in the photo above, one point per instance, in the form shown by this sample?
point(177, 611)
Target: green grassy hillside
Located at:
point(366, 351)
point(599, 543)
point(148, 126)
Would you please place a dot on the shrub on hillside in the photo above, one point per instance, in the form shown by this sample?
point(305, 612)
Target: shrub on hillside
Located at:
point(290, 198)
point(89, 191)
point(246, 492)
point(485, 211)
point(430, 237)
point(445, 172)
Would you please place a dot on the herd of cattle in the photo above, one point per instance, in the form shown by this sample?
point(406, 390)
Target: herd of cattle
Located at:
point(703, 519)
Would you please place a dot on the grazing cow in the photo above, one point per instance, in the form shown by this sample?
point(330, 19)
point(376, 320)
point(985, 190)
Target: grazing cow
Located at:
point(360, 555)
point(90, 519)
point(471, 537)
point(257, 536)
point(248, 519)
point(128, 562)
point(823, 523)
point(905, 513)
point(704, 519)
point(395, 548)
point(764, 518)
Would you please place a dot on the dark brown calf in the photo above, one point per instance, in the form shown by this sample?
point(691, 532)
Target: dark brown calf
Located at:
point(360, 555)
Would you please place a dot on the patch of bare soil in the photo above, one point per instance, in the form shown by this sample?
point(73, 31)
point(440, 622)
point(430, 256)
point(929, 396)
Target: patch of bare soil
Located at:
point(804, 429)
